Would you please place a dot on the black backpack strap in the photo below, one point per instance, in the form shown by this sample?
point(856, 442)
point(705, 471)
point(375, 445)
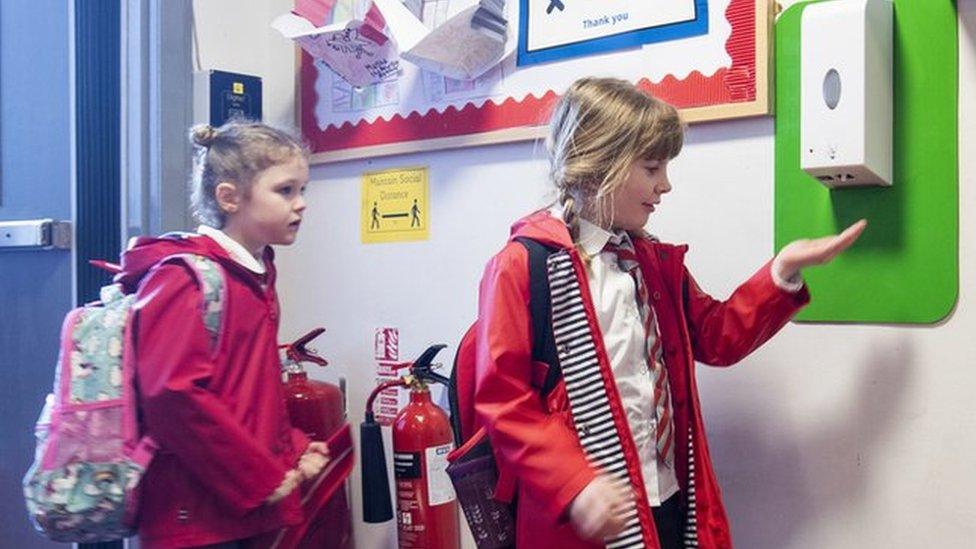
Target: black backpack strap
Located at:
point(543, 342)
point(454, 404)
point(540, 308)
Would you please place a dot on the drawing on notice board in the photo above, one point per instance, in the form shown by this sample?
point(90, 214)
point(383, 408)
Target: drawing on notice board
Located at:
point(363, 42)
point(460, 82)
point(466, 45)
point(352, 38)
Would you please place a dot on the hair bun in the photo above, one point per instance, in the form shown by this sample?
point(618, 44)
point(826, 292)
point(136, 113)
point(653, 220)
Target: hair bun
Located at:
point(203, 135)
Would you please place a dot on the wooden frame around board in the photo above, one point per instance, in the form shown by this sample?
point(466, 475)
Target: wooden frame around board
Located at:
point(741, 90)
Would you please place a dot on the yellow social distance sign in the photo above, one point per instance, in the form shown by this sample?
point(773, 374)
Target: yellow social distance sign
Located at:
point(395, 206)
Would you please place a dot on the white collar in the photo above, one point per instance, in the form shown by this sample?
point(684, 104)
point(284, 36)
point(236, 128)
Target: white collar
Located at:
point(234, 249)
point(592, 237)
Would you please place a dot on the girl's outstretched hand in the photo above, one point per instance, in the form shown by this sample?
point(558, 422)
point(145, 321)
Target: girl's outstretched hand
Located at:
point(804, 253)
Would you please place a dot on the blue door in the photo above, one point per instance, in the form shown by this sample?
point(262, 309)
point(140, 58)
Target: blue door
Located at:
point(35, 286)
point(51, 168)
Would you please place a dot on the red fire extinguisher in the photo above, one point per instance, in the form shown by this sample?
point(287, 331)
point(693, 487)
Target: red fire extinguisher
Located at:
point(318, 409)
point(427, 509)
point(315, 407)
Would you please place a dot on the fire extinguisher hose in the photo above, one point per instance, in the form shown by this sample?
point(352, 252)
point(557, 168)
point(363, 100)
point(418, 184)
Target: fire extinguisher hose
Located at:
point(377, 506)
point(379, 389)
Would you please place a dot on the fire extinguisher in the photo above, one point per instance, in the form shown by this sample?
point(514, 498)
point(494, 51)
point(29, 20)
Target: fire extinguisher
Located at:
point(427, 508)
point(318, 409)
point(315, 407)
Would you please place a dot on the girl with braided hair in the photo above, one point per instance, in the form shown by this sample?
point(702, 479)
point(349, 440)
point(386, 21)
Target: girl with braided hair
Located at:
point(616, 454)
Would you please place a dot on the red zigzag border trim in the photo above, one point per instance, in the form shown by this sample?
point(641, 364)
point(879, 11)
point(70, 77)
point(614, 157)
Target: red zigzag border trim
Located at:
point(734, 84)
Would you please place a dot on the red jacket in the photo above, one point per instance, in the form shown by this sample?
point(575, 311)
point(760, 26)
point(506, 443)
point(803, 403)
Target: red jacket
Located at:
point(535, 442)
point(217, 414)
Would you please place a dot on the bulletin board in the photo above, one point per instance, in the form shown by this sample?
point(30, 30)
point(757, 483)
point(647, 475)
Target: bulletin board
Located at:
point(905, 267)
point(715, 66)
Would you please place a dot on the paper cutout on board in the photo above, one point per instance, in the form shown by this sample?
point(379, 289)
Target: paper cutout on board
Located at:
point(318, 12)
point(366, 50)
point(467, 45)
point(406, 28)
point(360, 50)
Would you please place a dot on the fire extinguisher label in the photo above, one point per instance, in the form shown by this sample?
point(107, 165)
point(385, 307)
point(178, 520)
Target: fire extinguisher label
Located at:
point(439, 487)
point(406, 465)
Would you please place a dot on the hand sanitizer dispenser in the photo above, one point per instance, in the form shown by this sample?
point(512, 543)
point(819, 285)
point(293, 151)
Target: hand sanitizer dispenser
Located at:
point(846, 92)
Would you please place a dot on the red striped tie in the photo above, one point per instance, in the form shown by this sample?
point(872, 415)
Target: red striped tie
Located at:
point(664, 436)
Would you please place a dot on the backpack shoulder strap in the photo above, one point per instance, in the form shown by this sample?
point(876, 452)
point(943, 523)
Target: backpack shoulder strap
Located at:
point(210, 276)
point(460, 386)
point(460, 419)
point(540, 308)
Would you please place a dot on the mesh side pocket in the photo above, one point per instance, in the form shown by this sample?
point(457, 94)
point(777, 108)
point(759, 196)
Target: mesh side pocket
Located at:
point(475, 476)
point(79, 487)
point(88, 435)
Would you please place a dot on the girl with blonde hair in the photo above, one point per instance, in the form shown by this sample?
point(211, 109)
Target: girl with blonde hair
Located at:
point(616, 454)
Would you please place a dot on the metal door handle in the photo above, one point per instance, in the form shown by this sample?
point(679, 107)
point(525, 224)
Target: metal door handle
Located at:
point(33, 234)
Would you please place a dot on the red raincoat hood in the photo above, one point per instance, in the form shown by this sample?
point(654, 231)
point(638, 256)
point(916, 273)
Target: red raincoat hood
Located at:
point(543, 227)
point(145, 252)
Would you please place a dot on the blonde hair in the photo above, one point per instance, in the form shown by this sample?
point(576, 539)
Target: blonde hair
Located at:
point(597, 130)
point(235, 152)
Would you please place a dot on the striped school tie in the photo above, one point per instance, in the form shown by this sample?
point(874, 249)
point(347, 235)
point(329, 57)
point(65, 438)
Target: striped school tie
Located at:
point(627, 259)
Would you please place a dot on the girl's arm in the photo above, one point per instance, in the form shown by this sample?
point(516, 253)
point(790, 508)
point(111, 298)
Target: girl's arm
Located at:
point(724, 332)
point(173, 369)
point(537, 447)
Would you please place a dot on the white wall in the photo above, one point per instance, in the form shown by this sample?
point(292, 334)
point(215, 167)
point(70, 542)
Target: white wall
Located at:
point(237, 37)
point(829, 436)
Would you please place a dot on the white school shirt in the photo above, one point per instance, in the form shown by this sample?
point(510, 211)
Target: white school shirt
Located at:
point(234, 249)
point(618, 314)
point(614, 294)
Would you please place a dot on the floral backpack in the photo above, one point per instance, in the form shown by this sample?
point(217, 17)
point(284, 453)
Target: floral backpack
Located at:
point(90, 457)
